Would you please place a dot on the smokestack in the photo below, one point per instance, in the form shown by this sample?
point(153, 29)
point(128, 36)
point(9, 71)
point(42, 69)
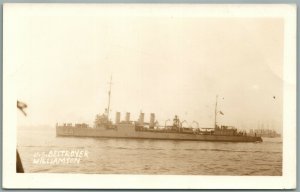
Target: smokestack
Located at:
point(118, 117)
point(152, 120)
point(127, 117)
point(141, 120)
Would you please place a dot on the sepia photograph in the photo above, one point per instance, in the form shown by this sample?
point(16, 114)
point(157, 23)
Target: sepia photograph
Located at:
point(181, 90)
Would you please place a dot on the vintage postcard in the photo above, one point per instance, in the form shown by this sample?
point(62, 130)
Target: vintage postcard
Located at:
point(161, 96)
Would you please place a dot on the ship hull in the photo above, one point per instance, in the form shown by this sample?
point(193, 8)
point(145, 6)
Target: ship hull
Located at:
point(91, 132)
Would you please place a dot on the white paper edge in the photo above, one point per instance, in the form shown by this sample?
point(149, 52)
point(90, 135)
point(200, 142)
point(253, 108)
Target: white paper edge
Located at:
point(88, 181)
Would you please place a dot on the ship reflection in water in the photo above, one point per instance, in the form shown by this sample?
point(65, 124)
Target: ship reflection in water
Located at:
point(145, 156)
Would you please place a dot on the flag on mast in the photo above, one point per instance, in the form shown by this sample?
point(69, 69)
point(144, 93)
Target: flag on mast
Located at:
point(22, 106)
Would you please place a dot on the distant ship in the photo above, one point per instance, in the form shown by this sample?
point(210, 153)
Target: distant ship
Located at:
point(269, 133)
point(105, 128)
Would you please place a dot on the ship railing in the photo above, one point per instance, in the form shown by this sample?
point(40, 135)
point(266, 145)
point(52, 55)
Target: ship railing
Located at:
point(168, 130)
point(64, 124)
point(76, 125)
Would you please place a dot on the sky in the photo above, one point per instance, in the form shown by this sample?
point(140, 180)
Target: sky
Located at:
point(163, 64)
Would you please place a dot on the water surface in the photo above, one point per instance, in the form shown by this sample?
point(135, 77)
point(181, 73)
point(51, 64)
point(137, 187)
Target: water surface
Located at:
point(142, 156)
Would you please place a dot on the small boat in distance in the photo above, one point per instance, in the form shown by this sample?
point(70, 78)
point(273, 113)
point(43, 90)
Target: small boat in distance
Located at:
point(104, 127)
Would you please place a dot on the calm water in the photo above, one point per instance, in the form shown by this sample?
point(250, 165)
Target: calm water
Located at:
point(130, 156)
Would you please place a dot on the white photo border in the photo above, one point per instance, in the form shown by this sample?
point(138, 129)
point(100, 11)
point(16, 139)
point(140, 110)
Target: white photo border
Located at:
point(11, 179)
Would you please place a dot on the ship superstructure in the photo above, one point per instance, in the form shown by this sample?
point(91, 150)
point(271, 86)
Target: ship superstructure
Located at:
point(139, 129)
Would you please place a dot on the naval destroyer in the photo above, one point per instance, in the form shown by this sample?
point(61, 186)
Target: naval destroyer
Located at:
point(104, 127)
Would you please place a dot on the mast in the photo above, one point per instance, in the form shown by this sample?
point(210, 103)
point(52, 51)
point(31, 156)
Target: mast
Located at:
point(216, 111)
point(109, 93)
